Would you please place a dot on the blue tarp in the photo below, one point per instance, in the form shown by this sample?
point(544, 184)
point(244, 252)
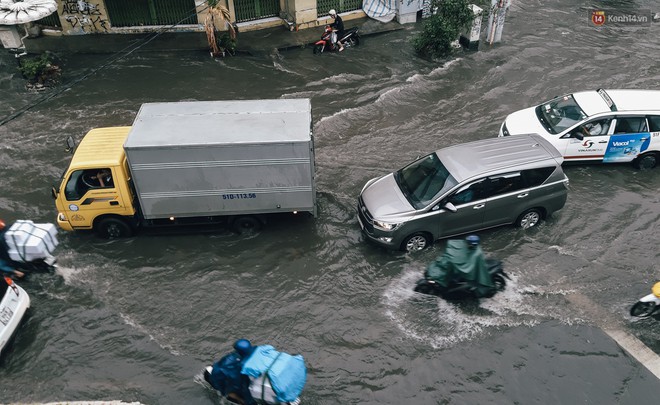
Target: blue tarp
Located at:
point(287, 373)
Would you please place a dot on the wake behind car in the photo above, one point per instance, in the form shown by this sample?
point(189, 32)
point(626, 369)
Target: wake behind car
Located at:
point(601, 126)
point(14, 302)
point(464, 188)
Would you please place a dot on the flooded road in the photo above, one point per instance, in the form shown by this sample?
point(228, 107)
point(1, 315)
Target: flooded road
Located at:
point(137, 319)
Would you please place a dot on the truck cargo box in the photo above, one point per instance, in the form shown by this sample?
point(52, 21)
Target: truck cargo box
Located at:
point(202, 158)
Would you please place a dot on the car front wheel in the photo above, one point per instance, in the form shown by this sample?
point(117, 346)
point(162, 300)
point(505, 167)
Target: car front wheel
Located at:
point(415, 242)
point(529, 219)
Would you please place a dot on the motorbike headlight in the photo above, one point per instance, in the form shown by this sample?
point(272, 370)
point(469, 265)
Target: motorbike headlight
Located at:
point(384, 226)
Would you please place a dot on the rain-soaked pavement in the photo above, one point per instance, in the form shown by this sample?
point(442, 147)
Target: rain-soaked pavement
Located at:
point(137, 319)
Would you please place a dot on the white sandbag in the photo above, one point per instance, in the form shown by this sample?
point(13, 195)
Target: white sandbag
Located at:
point(28, 241)
point(260, 389)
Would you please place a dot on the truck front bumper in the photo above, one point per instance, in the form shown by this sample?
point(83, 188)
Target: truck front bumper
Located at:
point(63, 223)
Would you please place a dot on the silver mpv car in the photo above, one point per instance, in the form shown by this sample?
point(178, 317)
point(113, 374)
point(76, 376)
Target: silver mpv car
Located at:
point(464, 188)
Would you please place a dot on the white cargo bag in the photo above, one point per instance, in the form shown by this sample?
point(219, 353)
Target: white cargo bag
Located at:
point(260, 389)
point(28, 241)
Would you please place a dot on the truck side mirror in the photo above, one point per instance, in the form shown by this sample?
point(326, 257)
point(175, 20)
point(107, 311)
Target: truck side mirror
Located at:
point(53, 193)
point(70, 144)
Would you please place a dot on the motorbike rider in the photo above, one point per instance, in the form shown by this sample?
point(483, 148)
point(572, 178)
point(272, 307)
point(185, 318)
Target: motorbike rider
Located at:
point(225, 374)
point(338, 29)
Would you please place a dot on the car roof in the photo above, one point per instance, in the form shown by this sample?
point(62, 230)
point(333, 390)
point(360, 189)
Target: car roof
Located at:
point(592, 102)
point(467, 160)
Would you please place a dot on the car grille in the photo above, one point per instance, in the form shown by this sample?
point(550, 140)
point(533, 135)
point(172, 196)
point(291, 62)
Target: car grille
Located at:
point(365, 216)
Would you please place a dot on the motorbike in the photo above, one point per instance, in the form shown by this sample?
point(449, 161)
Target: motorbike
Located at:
point(647, 305)
point(325, 44)
point(463, 271)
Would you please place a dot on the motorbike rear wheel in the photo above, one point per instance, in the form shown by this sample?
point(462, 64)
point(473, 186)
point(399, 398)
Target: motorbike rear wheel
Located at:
point(318, 49)
point(642, 309)
point(353, 40)
point(499, 281)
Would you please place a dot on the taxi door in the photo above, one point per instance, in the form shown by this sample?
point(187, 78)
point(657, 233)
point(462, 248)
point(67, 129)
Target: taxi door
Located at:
point(630, 138)
point(588, 142)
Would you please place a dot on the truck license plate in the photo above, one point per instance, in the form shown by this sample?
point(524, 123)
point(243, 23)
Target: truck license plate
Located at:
point(5, 315)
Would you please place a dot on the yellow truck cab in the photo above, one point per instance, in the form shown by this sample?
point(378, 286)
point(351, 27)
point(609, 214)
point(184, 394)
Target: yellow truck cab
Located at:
point(94, 192)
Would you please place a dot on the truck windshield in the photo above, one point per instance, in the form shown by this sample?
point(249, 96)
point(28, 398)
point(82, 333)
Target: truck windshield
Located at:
point(560, 114)
point(423, 180)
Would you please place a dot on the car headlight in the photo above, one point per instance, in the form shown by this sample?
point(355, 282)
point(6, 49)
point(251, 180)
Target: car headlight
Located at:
point(384, 226)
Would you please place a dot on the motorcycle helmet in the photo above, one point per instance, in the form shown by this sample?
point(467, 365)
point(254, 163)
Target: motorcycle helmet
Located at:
point(243, 347)
point(332, 13)
point(472, 241)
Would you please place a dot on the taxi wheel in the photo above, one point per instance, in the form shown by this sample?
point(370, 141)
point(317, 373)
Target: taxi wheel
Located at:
point(646, 161)
point(529, 218)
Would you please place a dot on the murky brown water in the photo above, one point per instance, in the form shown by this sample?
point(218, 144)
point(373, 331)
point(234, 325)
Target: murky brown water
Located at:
point(137, 319)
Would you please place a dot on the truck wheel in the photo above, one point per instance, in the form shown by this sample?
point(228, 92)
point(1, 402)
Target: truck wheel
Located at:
point(112, 228)
point(246, 225)
point(415, 242)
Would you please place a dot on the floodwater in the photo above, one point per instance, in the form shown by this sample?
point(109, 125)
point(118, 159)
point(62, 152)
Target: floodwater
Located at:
point(137, 319)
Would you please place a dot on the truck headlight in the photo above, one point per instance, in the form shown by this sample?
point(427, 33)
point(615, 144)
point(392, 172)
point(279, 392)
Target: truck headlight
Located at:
point(61, 217)
point(384, 226)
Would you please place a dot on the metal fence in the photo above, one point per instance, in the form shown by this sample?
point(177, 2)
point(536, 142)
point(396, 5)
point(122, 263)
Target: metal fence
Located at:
point(342, 6)
point(248, 10)
point(52, 20)
point(132, 13)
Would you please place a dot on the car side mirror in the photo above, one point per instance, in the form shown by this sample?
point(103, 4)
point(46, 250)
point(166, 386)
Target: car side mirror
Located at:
point(578, 135)
point(53, 193)
point(450, 207)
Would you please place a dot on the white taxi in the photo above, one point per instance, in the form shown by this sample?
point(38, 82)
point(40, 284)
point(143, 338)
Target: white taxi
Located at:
point(14, 302)
point(607, 126)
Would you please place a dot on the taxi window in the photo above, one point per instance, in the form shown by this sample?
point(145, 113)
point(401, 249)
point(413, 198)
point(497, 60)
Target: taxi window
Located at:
point(630, 125)
point(654, 123)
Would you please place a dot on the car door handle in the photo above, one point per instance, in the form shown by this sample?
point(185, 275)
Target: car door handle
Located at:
point(523, 195)
point(602, 141)
point(478, 206)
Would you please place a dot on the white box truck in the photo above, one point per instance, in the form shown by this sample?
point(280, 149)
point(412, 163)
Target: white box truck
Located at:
point(190, 163)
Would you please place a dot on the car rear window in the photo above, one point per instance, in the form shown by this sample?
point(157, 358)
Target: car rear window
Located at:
point(536, 177)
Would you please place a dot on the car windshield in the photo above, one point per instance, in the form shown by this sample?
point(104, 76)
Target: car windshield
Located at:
point(424, 180)
point(560, 114)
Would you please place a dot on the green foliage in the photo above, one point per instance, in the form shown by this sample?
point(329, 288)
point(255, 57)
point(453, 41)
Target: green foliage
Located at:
point(227, 43)
point(40, 70)
point(442, 28)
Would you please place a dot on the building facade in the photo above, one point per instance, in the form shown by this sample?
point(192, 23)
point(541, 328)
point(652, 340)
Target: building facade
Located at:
point(80, 17)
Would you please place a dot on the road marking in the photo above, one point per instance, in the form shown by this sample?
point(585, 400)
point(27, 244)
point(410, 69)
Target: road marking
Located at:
point(635, 347)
